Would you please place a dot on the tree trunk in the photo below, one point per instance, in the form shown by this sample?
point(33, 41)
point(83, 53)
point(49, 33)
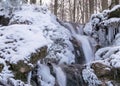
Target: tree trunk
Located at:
point(86, 10)
point(63, 9)
point(104, 4)
point(116, 2)
point(55, 7)
point(40, 2)
point(70, 11)
point(74, 11)
point(91, 6)
point(32, 1)
point(113, 3)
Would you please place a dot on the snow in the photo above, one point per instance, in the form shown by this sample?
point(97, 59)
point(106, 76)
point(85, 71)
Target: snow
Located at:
point(19, 41)
point(42, 29)
point(109, 83)
point(88, 28)
point(32, 27)
point(90, 78)
point(14, 82)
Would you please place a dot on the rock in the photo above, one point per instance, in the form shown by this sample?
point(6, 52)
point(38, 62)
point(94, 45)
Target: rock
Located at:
point(115, 13)
point(101, 69)
point(79, 54)
point(4, 20)
point(74, 75)
point(106, 74)
point(41, 53)
point(22, 68)
point(1, 67)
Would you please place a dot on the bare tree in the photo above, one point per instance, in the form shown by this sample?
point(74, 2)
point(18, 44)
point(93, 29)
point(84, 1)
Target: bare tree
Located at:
point(104, 4)
point(74, 10)
point(40, 2)
point(55, 7)
point(113, 3)
point(32, 1)
point(91, 6)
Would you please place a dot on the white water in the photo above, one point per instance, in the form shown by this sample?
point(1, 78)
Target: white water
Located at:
point(45, 76)
point(82, 40)
point(61, 77)
point(87, 50)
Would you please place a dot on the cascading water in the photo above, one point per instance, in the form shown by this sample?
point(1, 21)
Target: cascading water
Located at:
point(61, 78)
point(81, 40)
point(87, 50)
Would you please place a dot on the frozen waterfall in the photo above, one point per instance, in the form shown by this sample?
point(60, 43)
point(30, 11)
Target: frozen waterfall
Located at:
point(87, 50)
point(81, 40)
point(60, 75)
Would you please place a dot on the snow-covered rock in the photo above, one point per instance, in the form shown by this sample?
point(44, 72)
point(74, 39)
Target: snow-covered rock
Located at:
point(33, 33)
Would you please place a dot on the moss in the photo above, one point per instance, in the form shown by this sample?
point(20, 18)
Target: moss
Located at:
point(40, 53)
point(21, 76)
point(1, 67)
point(115, 13)
point(20, 70)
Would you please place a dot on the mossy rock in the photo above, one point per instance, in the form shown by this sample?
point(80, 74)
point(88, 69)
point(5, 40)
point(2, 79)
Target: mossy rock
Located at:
point(101, 70)
point(1, 67)
point(115, 13)
point(106, 73)
point(20, 70)
point(40, 53)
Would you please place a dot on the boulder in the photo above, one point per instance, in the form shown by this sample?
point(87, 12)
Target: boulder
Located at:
point(74, 75)
point(22, 68)
point(101, 69)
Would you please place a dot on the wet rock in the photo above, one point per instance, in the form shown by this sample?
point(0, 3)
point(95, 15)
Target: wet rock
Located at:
point(80, 58)
point(74, 75)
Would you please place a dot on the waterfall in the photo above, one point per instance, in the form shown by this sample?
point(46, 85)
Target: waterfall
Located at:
point(82, 40)
point(87, 50)
point(45, 76)
point(61, 78)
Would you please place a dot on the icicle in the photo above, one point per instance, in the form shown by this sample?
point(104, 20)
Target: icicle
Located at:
point(29, 77)
point(110, 34)
point(46, 77)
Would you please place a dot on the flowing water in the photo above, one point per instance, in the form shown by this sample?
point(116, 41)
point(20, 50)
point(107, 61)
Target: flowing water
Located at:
point(81, 40)
point(56, 75)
